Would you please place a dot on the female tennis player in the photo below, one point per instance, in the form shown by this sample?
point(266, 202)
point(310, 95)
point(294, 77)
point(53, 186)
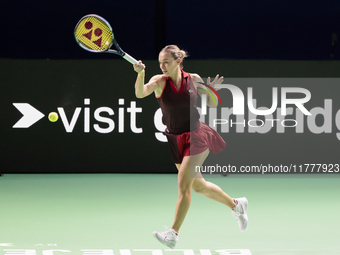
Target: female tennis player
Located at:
point(190, 140)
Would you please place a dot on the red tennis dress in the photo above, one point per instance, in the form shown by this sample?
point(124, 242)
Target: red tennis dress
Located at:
point(186, 134)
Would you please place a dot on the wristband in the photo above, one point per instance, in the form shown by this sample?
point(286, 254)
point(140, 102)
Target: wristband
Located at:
point(142, 76)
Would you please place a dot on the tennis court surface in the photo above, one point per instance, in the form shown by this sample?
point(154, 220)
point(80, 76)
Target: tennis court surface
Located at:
point(116, 214)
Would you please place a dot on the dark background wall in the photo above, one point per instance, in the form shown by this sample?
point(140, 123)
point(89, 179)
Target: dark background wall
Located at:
point(286, 30)
point(48, 85)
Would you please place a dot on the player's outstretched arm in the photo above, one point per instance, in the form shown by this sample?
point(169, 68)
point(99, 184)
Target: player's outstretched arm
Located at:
point(198, 83)
point(142, 90)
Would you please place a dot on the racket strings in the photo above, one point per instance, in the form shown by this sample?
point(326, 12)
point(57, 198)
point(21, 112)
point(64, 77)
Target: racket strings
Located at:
point(94, 34)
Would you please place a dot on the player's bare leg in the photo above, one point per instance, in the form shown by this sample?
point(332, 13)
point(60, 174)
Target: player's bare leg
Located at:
point(170, 236)
point(212, 191)
point(186, 179)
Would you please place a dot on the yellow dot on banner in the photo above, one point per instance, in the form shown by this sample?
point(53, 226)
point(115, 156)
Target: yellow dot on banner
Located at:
point(53, 116)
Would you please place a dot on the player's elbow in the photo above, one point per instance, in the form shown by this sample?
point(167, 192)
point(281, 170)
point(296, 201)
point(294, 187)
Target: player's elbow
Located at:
point(138, 95)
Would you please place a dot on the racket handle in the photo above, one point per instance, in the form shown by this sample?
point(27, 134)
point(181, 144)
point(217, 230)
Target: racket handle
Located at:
point(130, 59)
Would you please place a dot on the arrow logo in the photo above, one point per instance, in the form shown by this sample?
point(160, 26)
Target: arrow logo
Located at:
point(30, 115)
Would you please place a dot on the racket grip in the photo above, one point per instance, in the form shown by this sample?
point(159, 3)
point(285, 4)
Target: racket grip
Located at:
point(130, 59)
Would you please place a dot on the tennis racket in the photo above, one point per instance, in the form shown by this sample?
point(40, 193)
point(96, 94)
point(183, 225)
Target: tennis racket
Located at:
point(93, 33)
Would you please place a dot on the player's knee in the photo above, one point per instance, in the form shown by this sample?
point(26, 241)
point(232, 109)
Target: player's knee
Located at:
point(184, 187)
point(198, 188)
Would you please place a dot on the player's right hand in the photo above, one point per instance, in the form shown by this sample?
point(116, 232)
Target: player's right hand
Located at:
point(139, 67)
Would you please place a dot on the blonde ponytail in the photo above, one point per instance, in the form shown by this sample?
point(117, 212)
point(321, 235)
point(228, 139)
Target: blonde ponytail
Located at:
point(176, 52)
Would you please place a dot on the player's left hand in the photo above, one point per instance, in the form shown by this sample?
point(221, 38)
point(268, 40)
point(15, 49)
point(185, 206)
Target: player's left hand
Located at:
point(217, 80)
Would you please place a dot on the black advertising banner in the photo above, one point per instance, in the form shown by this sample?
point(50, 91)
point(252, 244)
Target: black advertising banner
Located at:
point(270, 124)
point(101, 128)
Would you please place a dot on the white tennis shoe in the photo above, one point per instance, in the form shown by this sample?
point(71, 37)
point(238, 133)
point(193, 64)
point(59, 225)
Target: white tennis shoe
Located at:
point(240, 212)
point(169, 237)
